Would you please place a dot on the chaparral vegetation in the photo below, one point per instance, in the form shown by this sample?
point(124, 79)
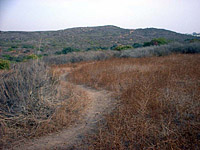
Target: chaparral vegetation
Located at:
point(99, 88)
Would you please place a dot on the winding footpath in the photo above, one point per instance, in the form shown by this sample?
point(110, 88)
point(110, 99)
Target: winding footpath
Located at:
point(101, 103)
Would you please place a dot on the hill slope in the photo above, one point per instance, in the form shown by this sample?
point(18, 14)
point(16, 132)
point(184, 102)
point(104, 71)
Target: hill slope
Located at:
point(82, 38)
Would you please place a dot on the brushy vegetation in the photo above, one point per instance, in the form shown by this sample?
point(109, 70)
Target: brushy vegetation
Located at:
point(150, 51)
point(27, 94)
point(67, 50)
point(162, 50)
point(122, 47)
point(24, 84)
point(159, 101)
point(34, 102)
point(80, 56)
point(153, 42)
point(158, 41)
point(103, 37)
point(20, 58)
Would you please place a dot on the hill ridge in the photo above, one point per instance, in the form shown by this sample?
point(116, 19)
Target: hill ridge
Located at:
point(84, 38)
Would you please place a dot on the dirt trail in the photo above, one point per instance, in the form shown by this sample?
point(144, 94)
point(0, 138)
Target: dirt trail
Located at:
point(101, 103)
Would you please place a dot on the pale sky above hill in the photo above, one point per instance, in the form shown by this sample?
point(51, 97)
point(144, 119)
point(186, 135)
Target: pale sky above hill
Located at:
point(41, 15)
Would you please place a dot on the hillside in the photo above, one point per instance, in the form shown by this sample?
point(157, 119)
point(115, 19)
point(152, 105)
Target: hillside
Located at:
point(83, 38)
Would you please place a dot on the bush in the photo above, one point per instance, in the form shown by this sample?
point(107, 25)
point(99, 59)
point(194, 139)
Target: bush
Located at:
point(39, 56)
point(13, 58)
point(162, 50)
point(4, 64)
point(27, 99)
point(137, 45)
point(21, 58)
point(122, 47)
point(192, 40)
point(158, 41)
point(113, 47)
point(24, 85)
point(10, 49)
point(66, 50)
point(14, 46)
point(81, 56)
point(6, 56)
point(28, 46)
point(32, 56)
point(27, 51)
point(58, 53)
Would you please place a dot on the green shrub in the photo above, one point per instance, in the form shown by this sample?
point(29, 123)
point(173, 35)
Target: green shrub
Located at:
point(113, 47)
point(158, 41)
point(67, 50)
point(21, 58)
point(6, 56)
point(28, 46)
point(137, 45)
point(58, 53)
point(4, 64)
point(18, 59)
point(192, 40)
point(27, 51)
point(13, 58)
point(123, 47)
point(14, 46)
point(39, 56)
point(10, 49)
point(147, 44)
point(31, 56)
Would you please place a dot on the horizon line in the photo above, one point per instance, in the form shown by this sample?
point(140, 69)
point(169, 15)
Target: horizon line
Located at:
point(54, 30)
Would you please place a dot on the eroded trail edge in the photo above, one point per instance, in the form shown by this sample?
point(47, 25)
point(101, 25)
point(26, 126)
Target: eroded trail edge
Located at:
point(101, 102)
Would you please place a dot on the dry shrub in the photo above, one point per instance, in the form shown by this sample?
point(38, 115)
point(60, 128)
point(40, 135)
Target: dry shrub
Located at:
point(81, 56)
point(35, 102)
point(163, 50)
point(159, 102)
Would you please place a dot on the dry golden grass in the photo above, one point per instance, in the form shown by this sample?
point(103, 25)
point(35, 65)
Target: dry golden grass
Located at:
point(159, 102)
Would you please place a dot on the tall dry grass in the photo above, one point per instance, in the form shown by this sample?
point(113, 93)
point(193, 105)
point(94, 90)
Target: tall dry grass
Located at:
point(159, 102)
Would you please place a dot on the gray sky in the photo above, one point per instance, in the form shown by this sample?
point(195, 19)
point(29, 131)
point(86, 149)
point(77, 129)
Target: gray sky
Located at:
point(33, 15)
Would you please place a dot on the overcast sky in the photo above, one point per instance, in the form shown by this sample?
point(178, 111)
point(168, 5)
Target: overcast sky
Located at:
point(33, 15)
